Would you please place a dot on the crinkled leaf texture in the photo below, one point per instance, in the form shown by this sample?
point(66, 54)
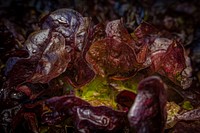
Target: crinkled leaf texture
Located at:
point(165, 55)
point(60, 108)
point(148, 112)
point(74, 27)
point(100, 119)
point(176, 66)
point(190, 115)
point(47, 59)
point(182, 73)
point(119, 56)
point(54, 58)
point(85, 117)
point(51, 51)
point(68, 45)
point(64, 21)
point(110, 57)
point(114, 56)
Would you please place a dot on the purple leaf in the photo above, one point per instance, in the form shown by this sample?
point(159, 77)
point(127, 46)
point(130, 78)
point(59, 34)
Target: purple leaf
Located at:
point(110, 57)
point(190, 115)
point(176, 65)
point(148, 113)
point(75, 29)
point(60, 108)
point(85, 117)
point(47, 59)
point(53, 59)
point(99, 119)
point(73, 26)
point(116, 30)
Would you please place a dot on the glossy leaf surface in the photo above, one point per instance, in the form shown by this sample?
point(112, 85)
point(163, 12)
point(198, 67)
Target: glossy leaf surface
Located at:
point(100, 119)
point(109, 57)
point(84, 116)
point(148, 112)
point(75, 30)
point(90, 74)
point(47, 59)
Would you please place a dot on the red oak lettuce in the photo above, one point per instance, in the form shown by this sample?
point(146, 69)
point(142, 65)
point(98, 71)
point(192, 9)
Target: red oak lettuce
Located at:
point(74, 75)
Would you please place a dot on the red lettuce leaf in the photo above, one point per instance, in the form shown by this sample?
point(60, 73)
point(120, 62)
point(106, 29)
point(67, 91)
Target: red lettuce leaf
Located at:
point(148, 112)
point(176, 65)
point(112, 58)
point(64, 21)
point(75, 29)
point(85, 117)
point(53, 59)
point(190, 115)
point(60, 108)
point(100, 119)
point(47, 59)
point(163, 54)
point(158, 51)
point(73, 26)
point(116, 30)
point(97, 32)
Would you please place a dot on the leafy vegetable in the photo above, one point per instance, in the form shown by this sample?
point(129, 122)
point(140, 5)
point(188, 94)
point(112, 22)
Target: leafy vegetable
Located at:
point(75, 30)
point(100, 119)
point(109, 60)
point(107, 72)
point(174, 66)
point(114, 55)
point(165, 55)
point(47, 59)
point(189, 115)
point(148, 113)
